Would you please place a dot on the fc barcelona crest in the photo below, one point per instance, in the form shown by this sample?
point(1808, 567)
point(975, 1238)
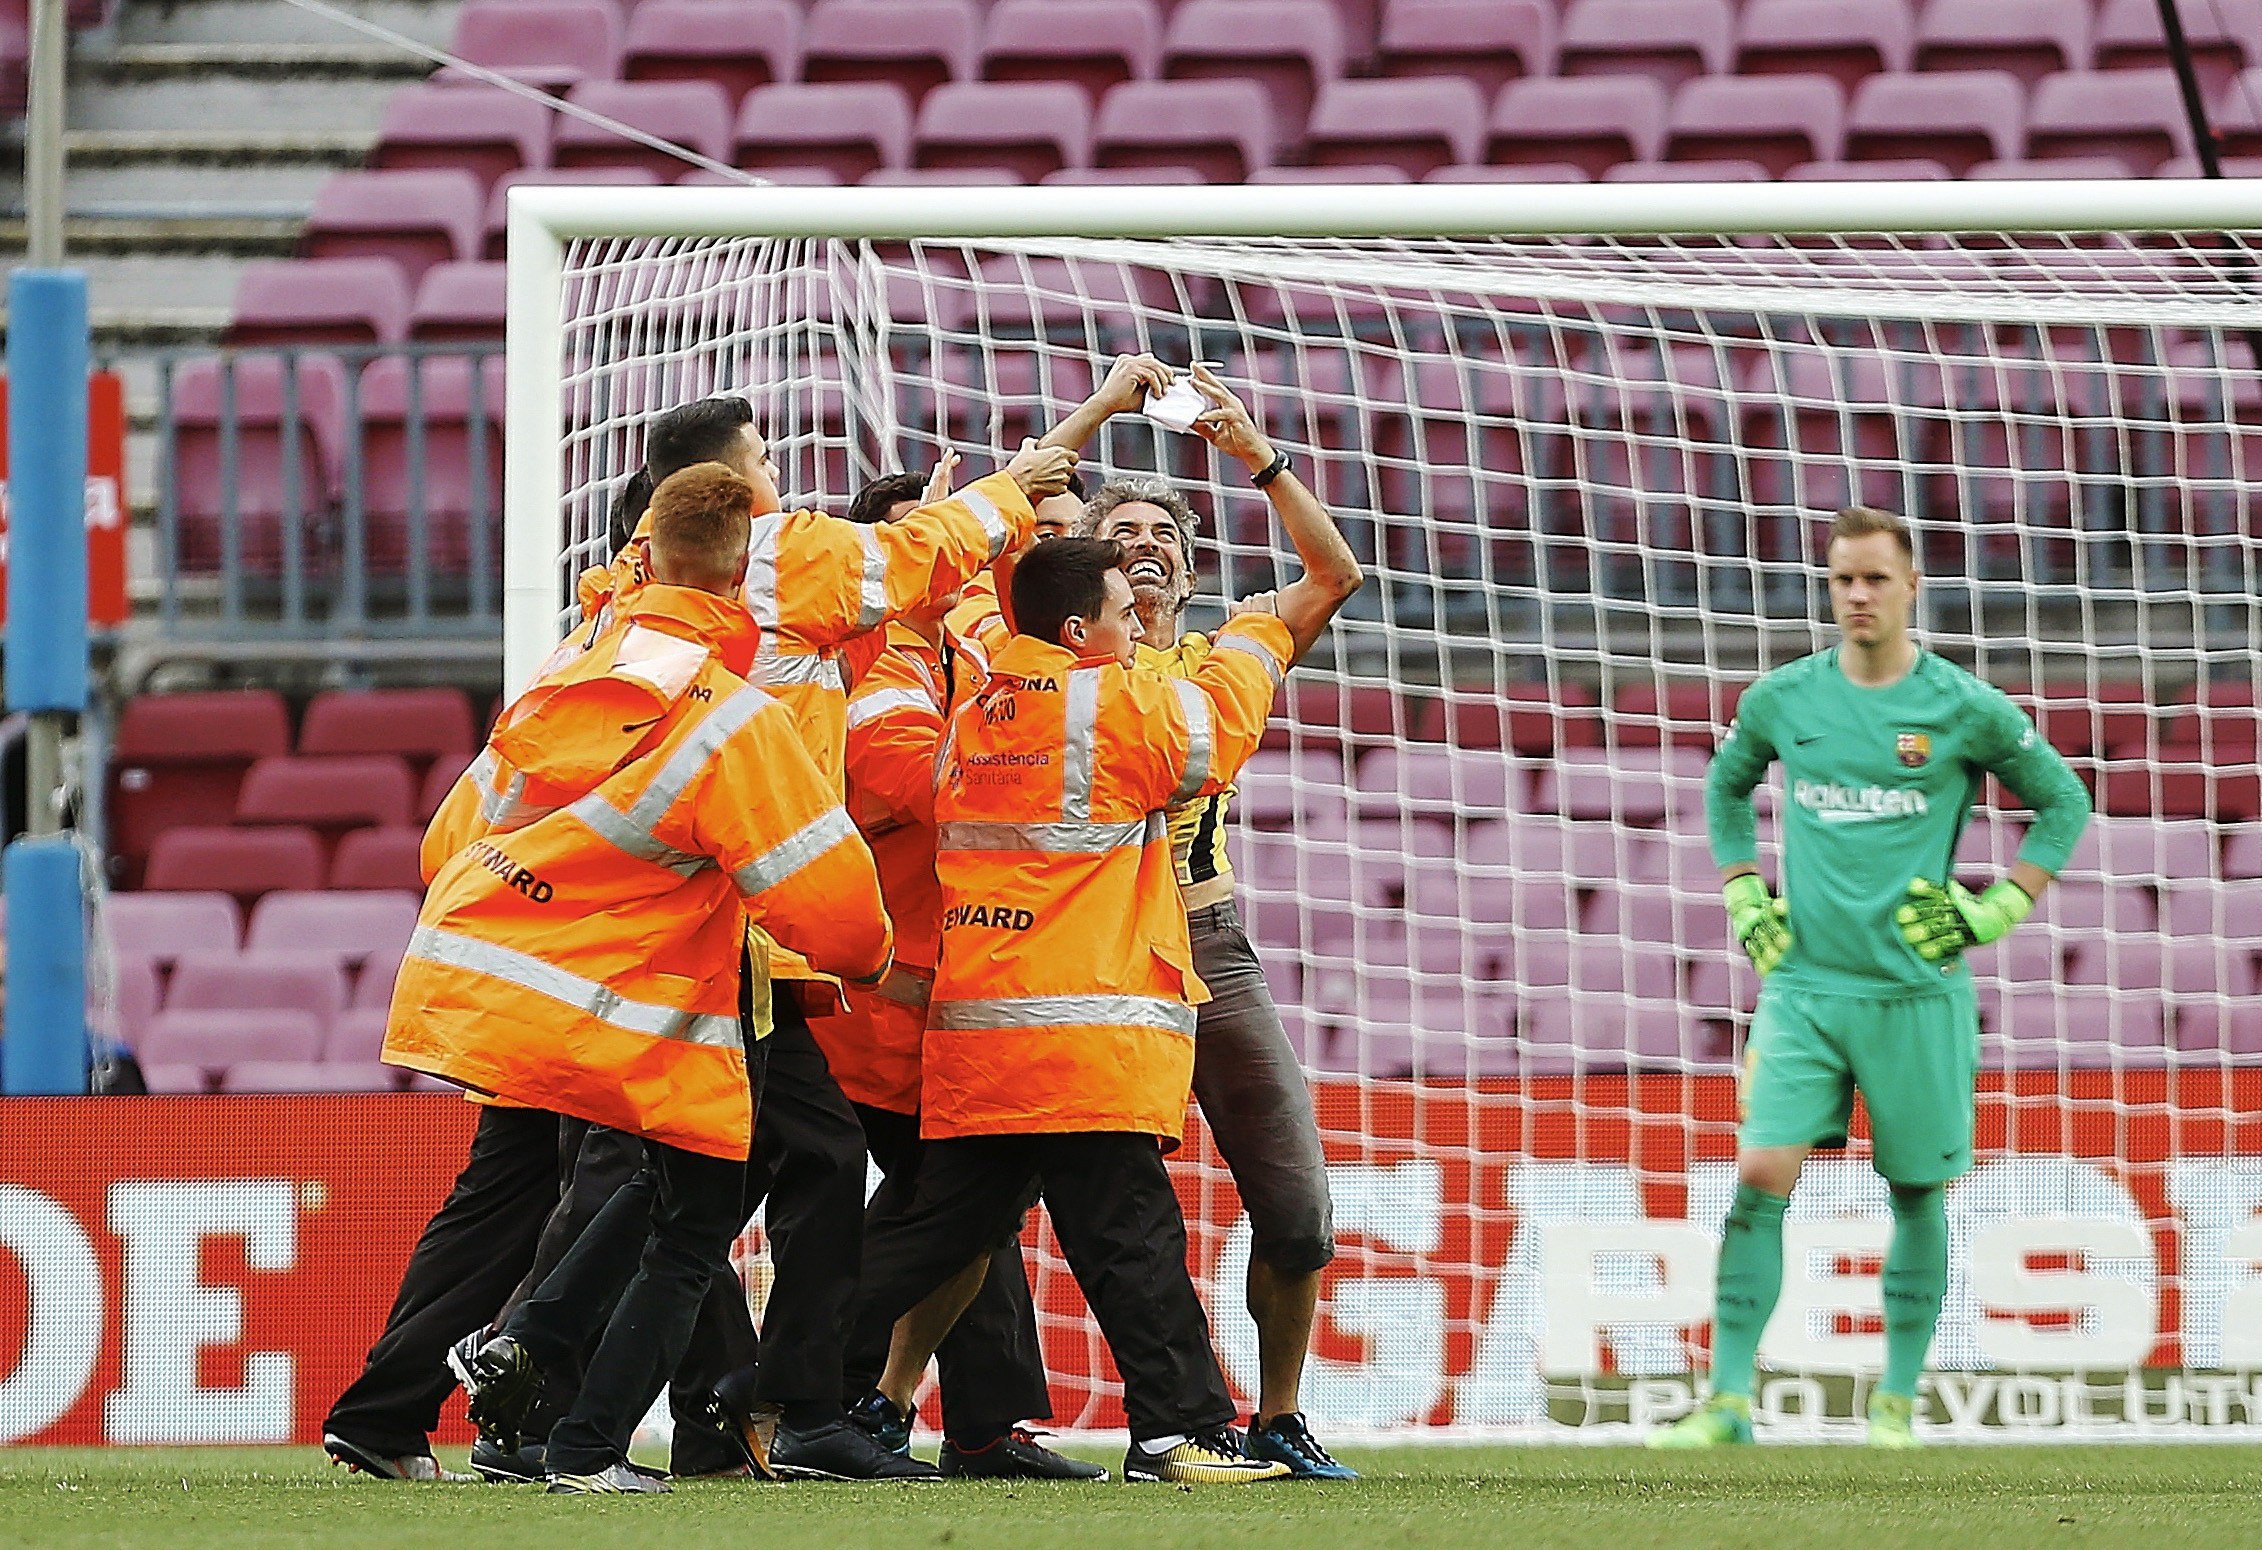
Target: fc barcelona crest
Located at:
point(1914, 748)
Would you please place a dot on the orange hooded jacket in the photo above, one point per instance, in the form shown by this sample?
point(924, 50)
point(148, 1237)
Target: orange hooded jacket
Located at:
point(581, 953)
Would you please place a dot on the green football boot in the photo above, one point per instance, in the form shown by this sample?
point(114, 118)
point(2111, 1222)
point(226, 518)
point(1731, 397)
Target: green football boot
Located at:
point(1722, 1421)
point(1892, 1421)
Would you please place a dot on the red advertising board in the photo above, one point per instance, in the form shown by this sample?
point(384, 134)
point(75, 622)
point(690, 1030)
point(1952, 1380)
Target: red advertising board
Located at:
point(106, 508)
point(177, 1270)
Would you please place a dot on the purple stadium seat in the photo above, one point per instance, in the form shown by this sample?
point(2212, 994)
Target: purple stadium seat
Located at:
point(1608, 1033)
point(2029, 38)
point(455, 477)
point(178, 759)
point(156, 928)
point(2072, 168)
point(1093, 44)
point(1487, 42)
point(1357, 173)
point(494, 224)
point(415, 218)
point(1729, 169)
point(2156, 853)
point(1284, 789)
point(1287, 47)
point(1827, 428)
point(208, 1042)
point(482, 129)
point(1440, 783)
point(692, 114)
point(284, 408)
point(311, 983)
point(1777, 121)
point(2134, 116)
point(293, 1076)
point(1670, 41)
point(419, 725)
point(458, 302)
point(852, 128)
point(1956, 118)
point(1683, 713)
point(1416, 125)
point(1120, 177)
point(1221, 130)
point(1591, 124)
point(1535, 172)
point(357, 928)
point(2237, 120)
point(357, 1037)
point(320, 301)
point(2086, 908)
point(1029, 128)
point(912, 45)
point(327, 795)
point(136, 992)
point(739, 46)
point(1639, 785)
point(1846, 41)
point(1913, 169)
point(384, 858)
point(373, 988)
point(551, 44)
point(243, 862)
point(2224, 36)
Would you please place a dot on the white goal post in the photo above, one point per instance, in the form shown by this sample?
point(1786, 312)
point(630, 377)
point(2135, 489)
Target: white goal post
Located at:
point(1582, 437)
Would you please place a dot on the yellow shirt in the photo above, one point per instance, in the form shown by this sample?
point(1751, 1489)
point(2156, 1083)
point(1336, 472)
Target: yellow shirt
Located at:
point(1197, 828)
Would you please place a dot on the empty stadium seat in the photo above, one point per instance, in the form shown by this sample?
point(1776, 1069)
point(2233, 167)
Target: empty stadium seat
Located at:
point(1220, 130)
point(484, 130)
point(443, 462)
point(243, 862)
point(1846, 40)
point(327, 795)
point(1776, 121)
point(320, 301)
point(1913, 169)
point(1449, 785)
point(1415, 125)
point(1120, 177)
point(321, 1076)
point(2222, 717)
point(1028, 128)
point(1091, 44)
point(1533, 172)
point(156, 928)
point(1670, 41)
point(2222, 37)
point(1826, 429)
point(178, 760)
point(740, 46)
point(357, 1038)
point(1680, 714)
point(1726, 169)
point(1957, 118)
point(459, 303)
point(1486, 42)
point(191, 1050)
point(1637, 786)
point(551, 44)
point(2072, 168)
point(2134, 116)
point(310, 983)
point(912, 45)
point(358, 928)
point(1361, 715)
point(1367, 172)
point(692, 114)
point(1590, 124)
point(2029, 38)
point(384, 858)
point(419, 725)
point(1529, 719)
point(1286, 47)
point(287, 413)
point(850, 128)
point(415, 218)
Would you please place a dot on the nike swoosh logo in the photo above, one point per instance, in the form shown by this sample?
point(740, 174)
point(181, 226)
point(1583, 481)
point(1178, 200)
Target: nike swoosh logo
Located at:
point(1801, 742)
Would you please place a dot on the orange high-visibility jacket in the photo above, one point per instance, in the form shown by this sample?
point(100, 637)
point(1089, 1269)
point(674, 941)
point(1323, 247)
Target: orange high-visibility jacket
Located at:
point(1064, 998)
point(895, 726)
point(587, 960)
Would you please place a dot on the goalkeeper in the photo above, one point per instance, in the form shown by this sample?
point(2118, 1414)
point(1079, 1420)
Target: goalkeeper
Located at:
point(1884, 746)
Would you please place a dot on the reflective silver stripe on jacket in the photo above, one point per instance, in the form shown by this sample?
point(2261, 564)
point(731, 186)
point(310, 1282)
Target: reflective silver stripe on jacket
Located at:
point(693, 754)
point(993, 521)
point(620, 831)
point(1063, 1012)
point(907, 987)
point(1253, 648)
point(1052, 838)
point(872, 706)
point(1196, 773)
point(774, 669)
point(1079, 729)
point(570, 989)
point(872, 604)
point(794, 852)
point(761, 591)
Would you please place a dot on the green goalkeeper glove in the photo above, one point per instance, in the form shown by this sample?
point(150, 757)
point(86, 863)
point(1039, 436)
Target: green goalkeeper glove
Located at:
point(1760, 921)
point(1938, 921)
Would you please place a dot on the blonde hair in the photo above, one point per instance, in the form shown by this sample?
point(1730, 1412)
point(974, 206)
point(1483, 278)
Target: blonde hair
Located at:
point(701, 521)
point(1862, 521)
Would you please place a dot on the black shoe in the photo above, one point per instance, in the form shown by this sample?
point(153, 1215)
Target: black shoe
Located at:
point(705, 1445)
point(839, 1451)
point(1015, 1456)
point(384, 1466)
point(508, 1466)
point(750, 1426)
point(876, 1416)
point(502, 1384)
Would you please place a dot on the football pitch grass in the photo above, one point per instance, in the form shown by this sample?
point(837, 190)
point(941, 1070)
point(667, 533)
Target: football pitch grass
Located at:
point(1797, 1498)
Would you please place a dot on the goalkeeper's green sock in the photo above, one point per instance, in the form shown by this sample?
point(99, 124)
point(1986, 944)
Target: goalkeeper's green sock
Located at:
point(1916, 1280)
point(1751, 1278)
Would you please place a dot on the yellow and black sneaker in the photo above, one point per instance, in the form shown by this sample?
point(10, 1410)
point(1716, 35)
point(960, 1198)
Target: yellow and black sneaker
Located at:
point(1213, 1458)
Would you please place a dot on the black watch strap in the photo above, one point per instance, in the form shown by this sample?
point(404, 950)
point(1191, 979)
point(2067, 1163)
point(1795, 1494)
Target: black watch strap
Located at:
point(1271, 471)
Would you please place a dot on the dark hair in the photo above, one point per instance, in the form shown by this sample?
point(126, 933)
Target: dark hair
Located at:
point(699, 432)
point(701, 519)
point(1063, 580)
point(1076, 483)
point(873, 503)
point(628, 508)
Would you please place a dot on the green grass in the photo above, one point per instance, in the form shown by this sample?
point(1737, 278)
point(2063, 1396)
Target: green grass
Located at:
point(1976, 1498)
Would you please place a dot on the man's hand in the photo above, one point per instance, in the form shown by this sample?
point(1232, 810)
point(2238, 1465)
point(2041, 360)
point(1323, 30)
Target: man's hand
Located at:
point(1227, 424)
point(1041, 471)
point(1760, 921)
point(938, 482)
point(1255, 603)
point(1940, 922)
point(1128, 382)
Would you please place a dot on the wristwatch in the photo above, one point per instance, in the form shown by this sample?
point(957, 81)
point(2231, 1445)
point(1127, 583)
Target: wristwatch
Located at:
point(1271, 471)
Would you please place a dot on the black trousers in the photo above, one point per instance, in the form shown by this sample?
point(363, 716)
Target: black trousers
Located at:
point(992, 1368)
point(475, 1248)
point(1118, 1223)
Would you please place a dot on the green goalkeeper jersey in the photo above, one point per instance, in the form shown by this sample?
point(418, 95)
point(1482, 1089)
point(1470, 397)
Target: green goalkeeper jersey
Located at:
point(1877, 785)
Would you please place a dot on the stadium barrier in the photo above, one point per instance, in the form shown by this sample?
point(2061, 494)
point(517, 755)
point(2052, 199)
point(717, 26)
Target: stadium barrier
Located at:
point(211, 1270)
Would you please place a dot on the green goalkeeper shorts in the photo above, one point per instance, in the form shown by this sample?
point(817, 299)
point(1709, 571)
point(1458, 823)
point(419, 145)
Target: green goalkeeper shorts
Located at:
point(1912, 1058)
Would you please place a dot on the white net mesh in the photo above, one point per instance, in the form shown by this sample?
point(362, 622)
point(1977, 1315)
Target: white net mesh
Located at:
point(1586, 476)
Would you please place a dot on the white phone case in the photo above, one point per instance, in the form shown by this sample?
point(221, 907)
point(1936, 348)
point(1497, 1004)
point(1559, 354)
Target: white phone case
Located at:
point(1175, 408)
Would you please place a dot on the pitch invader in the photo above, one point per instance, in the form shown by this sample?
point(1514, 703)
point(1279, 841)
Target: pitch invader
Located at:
point(1884, 747)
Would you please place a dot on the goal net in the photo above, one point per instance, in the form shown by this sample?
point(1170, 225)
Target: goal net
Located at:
point(1586, 468)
